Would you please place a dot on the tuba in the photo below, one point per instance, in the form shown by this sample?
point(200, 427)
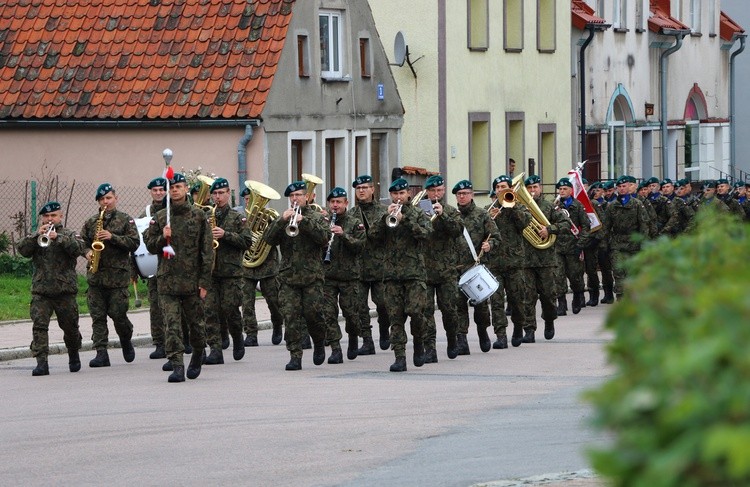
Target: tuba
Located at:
point(538, 219)
point(258, 219)
point(310, 182)
point(201, 201)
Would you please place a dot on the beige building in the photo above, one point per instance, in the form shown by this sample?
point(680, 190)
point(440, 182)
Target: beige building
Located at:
point(484, 82)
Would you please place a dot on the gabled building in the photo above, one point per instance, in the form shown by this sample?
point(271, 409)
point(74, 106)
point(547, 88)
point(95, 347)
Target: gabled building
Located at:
point(247, 89)
point(653, 97)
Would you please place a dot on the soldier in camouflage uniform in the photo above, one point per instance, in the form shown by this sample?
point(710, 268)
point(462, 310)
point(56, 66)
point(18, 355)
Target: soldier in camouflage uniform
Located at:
point(659, 203)
point(182, 279)
point(264, 274)
point(723, 194)
point(541, 263)
point(680, 212)
point(301, 274)
point(369, 210)
point(592, 253)
point(404, 268)
point(742, 199)
point(485, 238)
point(108, 293)
point(342, 275)
point(53, 287)
point(442, 274)
point(650, 211)
point(708, 198)
point(624, 218)
point(570, 245)
point(225, 292)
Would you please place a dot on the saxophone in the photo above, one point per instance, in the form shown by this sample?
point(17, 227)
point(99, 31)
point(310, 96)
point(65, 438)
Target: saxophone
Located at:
point(97, 245)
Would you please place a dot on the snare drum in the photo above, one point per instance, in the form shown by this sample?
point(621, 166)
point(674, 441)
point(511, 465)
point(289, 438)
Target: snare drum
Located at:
point(478, 284)
point(145, 262)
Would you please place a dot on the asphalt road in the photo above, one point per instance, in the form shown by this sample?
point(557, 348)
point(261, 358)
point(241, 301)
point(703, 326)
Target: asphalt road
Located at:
point(486, 417)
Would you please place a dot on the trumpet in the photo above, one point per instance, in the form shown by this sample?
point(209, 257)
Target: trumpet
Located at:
point(293, 229)
point(392, 220)
point(44, 240)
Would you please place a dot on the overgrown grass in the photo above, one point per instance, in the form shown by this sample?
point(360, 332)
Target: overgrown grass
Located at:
point(15, 296)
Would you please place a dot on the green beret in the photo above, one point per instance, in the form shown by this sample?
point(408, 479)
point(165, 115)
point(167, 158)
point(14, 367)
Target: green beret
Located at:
point(194, 188)
point(681, 182)
point(608, 184)
point(501, 179)
point(363, 179)
point(336, 193)
point(103, 189)
point(157, 183)
point(180, 178)
point(642, 184)
point(584, 181)
point(219, 183)
point(622, 180)
point(666, 181)
point(295, 186)
point(722, 181)
point(50, 207)
point(631, 179)
point(398, 185)
point(739, 184)
point(596, 185)
point(433, 181)
point(653, 180)
point(245, 191)
point(463, 184)
point(563, 182)
point(533, 179)
point(709, 184)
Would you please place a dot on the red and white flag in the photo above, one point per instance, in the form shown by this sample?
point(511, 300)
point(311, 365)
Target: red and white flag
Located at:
point(581, 195)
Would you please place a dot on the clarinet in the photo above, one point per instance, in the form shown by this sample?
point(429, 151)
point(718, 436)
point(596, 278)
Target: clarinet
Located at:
point(327, 258)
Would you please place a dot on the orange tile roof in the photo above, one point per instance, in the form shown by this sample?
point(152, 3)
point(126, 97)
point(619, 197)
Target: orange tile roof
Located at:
point(582, 15)
point(139, 59)
point(662, 19)
point(728, 27)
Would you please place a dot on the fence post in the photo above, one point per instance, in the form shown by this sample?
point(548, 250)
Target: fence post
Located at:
point(33, 206)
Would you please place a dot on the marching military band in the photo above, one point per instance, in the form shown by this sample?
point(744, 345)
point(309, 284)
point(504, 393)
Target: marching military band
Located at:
point(203, 261)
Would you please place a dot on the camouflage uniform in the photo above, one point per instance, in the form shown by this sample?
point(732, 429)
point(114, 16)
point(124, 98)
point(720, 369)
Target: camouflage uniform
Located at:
point(265, 274)
point(680, 217)
point(650, 214)
point(301, 277)
point(372, 257)
point(53, 289)
point(660, 204)
point(342, 281)
point(732, 205)
point(625, 217)
point(108, 293)
point(596, 258)
point(179, 278)
point(405, 275)
point(155, 316)
point(224, 296)
point(442, 275)
point(479, 225)
point(569, 247)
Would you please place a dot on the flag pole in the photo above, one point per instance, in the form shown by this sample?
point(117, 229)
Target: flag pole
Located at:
point(168, 175)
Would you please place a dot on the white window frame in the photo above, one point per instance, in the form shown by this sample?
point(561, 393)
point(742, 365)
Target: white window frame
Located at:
point(614, 127)
point(712, 17)
point(617, 20)
point(676, 9)
point(336, 53)
point(695, 16)
point(696, 163)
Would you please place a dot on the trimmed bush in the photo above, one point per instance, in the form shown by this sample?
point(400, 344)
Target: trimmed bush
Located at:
point(15, 265)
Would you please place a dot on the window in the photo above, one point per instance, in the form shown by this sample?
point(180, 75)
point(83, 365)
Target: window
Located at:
point(692, 150)
point(514, 139)
point(300, 156)
point(337, 165)
point(676, 9)
point(331, 59)
point(364, 57)
point(480, 162)
point(547, 153)
point(546, 25)
point(478, 20)
point(303, 56)
point(617, 149)
point(695, 16)
point(600, 9)
point(361, 153)
point(513, 25)
point(619, 15)
point(712, 18)
point(639, 25)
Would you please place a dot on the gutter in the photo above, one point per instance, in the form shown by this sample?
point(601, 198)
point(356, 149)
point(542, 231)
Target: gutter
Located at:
point(86, 124)
point(242, 154)
point(732, 120)
point(678, 34)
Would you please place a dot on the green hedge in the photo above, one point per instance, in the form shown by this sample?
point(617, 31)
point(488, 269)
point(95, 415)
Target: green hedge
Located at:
point(15, 265)
point(679, 401)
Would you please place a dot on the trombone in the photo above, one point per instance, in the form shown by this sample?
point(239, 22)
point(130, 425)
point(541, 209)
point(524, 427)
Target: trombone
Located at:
point(44, 240)
point(506, 198)
point(293, 228)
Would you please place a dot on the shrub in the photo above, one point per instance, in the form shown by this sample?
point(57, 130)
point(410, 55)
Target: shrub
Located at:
point(4, 242)
point(15, 265)
point(679, 401)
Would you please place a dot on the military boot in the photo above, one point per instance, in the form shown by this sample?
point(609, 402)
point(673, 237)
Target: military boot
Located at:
point(528, 336)
point(399, 365)
point(549, 330)
point(276, 335)
point(385, 337)
point(158, 352)
point(337, 357)
point(178, 374)
point(501, 342)
point(562, 306)
point(319, 353)
point(609, 297)
point(295, 363)
point(238, 346)
point(224, 338)
point(101, 359)
point(594, 298)
point(578, 303)
point(485, 344)
point(306, 342)
point(216, 357)
point(128, 352)
point(517, 337)
point(508, 311)
point(462, 344)
point(367, 348)
point(74, 361)
point(167, 367)
point(186, 342)
point(196, 362)
point(251, 341)
point(452, 349)
point(42, 367)
point(430, 356)
point(418, 353)
point(351, 349)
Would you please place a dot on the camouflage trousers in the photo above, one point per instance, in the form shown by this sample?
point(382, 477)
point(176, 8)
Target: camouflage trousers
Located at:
point(519, 292)
point(497, 305)
point(541, 283)
point(344, 295)
point(597, 258)
point(447, 294)
point(112, 302)
point(155, 315)
point(618, 269)
point(376, 289)
point(65, 308)
point(269, 287)
point(222, 307)
point(180, 312)
point(481, 314)
point(572, 271)
point(405, 298)
point(302, 309)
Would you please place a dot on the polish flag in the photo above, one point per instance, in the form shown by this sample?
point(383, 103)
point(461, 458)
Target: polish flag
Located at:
point(581, 195)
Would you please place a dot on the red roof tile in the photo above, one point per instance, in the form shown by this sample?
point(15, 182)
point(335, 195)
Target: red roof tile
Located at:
point(139, 59)
point(662, 19)
point(728, 27)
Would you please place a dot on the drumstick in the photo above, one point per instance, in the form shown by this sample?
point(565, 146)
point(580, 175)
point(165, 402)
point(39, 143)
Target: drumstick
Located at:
point(138, 302)
point(481, 252)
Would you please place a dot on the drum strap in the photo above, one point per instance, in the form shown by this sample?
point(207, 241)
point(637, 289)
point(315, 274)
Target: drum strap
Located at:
point(471, 245)
point(148, 211)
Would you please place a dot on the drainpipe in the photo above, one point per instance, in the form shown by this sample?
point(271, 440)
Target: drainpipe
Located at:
point(592, 28)
point(732, 121)
point(663, 102)
point(242, 153)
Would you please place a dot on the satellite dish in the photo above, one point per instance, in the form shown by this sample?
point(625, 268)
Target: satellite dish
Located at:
point(399, 49)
